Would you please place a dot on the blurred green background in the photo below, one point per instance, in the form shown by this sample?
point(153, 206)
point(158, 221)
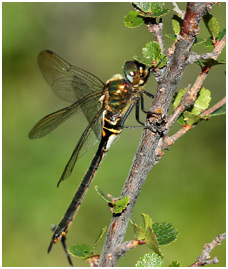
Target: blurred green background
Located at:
point(186, 188)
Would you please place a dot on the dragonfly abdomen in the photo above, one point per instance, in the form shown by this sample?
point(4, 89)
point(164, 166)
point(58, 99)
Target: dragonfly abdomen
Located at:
point(108, 137)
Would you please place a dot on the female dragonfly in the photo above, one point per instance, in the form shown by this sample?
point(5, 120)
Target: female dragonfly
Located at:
point(106, 107)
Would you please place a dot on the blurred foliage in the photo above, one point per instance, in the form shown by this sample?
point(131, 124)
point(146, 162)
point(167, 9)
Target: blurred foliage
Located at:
point(187, 188)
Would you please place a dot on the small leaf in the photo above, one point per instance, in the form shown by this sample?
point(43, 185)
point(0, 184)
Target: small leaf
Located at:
point(190, 118)
point(170, 36)
point(152, 242)
point(199, 40)
point(81, 251)
point(121, 204)
point(102, 194)
point(221, 34)
point(208, 43)
point(176, 22)
point(211, 24)
point(154, 9)
point(139, 232)
point(181, 120)
point(150, 260)
point(152, 50)
point(202, 102)
point(133, 19)
point(219, 111)
point(175, 264)
point(147, 221)
point(165, 233)
point(100, 236)
point(143, 60)
point(162, 61)
point(212, 62)
point(178, 97)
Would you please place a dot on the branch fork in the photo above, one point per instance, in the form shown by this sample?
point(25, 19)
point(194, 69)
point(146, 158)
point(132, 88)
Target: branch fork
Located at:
point(149, 150)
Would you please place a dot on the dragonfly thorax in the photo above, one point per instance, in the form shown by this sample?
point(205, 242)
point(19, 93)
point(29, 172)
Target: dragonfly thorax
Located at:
point(120, 95)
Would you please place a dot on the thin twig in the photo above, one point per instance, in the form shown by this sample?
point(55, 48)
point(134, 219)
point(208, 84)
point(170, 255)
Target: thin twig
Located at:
point(178, 10)
point(214, 108)
point(126, 246)
point(156, 29)
point(168, 141)
point(190, 96)
point(195, 57)
point(204, 258)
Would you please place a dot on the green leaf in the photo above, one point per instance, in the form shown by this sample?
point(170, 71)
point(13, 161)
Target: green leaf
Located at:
point(154, 9)
point(152, 242)
point(139, 232)
point(152, 50)
point(147, 221)
point(102, 194)
point(219, 111)
point(121, 204)
point(150, 260)
point(143, 60)
point(181, 120)
point(175, 264)
point(81, 251)
point(211, 24)
point(162, 61)
point(178, 97)
point(208, 43)
point(202, 102)
point(176, 23)
point(165, 233)
point(212, 62)
point(190, 118)
point(192, 115)
point(100, 236)
point(176, 102)
point(199, 40)
point(221, 34)
point(133, 19)
point(170, 36)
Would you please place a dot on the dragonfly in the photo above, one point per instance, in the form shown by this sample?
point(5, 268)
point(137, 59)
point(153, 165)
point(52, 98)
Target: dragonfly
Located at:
point(106, 107)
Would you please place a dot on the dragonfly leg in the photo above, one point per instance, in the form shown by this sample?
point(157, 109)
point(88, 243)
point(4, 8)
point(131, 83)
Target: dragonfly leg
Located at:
point(148, 94)
point(137, 113)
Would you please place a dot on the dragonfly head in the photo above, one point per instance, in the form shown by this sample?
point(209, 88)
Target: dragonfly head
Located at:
point(135, 72)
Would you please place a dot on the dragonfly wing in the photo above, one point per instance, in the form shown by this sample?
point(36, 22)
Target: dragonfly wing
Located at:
point(68, 82)
point(53, 120)
point(87, 140)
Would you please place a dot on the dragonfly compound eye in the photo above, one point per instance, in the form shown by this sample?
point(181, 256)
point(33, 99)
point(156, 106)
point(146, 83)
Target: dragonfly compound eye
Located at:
point(135, 72)
point(131, 71)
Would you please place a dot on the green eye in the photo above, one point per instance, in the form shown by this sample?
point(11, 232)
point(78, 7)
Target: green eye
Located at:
point(131, 70)
point(134, 71)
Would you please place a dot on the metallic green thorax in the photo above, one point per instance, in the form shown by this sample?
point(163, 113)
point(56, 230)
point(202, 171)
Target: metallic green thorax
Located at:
point(120, 96)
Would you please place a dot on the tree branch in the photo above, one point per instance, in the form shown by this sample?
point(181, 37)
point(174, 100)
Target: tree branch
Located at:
point(195, 57)
point(169, 141)
point(204, 258)
point(190, 95)
point(145, 157)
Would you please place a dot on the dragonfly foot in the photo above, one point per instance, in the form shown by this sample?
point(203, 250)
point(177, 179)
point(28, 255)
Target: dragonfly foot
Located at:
point(50, 246)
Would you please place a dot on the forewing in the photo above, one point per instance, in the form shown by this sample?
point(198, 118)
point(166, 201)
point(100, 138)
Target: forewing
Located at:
point(87, 140)
point(68, 82)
